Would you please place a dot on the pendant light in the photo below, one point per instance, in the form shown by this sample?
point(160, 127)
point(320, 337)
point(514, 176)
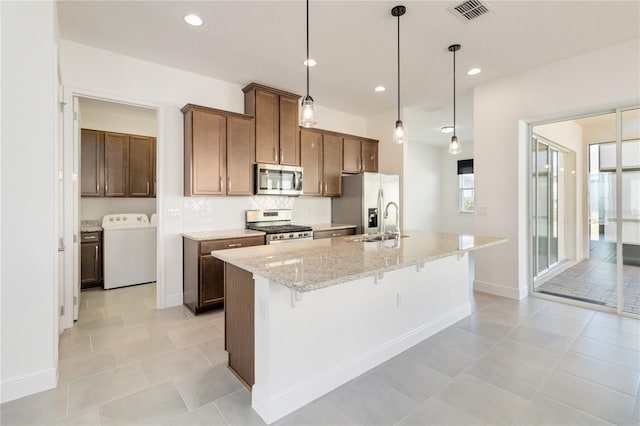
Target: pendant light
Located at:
point(454, 146)
point(308, 110)
point(400, 133)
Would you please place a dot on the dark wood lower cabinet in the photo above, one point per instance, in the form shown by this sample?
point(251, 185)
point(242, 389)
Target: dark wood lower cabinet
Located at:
point(90, 259)
point(239, 339)
point(203, 274)
point(318, 235)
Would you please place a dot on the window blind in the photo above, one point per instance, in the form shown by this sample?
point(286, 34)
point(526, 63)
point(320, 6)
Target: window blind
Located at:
point(465, 167)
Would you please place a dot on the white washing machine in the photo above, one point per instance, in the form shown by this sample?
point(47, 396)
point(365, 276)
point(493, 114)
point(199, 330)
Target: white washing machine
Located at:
point(129, 242)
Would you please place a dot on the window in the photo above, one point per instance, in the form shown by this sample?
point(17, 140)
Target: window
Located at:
point(465, 186)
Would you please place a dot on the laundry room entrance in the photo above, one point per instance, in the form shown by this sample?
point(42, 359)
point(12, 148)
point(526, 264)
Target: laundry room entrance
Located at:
point(116, 208)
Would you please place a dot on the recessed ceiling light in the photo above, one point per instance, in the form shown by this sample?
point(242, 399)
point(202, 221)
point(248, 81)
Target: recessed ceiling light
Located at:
point(194, 20)
point(474, 71)
point(446, 129)
point(311, 62)
point(379, 89)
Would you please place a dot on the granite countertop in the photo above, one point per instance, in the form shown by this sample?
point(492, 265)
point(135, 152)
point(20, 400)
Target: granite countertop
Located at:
point(330, 226)
point(221, 235)
point(314, 264)
point(90, 226)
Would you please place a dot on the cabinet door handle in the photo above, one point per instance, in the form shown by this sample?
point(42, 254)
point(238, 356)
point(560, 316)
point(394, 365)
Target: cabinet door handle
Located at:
point(228, 183)
point(148, 188)
point(325, 187)
point(106, 187)
point(281, 156)
point(275, 155)
point(220, 183)
point(320, 186)
point(234, 245)
point(97, 188)
point(96, 254)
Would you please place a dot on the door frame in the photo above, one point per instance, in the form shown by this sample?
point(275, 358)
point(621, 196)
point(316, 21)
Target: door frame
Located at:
point(580, 204)
point(71, 147)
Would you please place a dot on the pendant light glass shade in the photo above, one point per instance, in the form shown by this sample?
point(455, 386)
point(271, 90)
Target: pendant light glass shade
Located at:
point(454, 146)
point(400, 133)
point(307, 112)
point(307, 108)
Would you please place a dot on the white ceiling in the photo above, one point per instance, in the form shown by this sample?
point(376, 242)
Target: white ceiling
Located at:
point(354, 43)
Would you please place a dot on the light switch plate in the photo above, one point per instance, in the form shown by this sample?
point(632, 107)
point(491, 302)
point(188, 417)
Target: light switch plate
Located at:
point(482, 211)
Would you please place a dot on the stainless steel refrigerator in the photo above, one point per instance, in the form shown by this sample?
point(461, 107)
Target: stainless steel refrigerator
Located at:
point(364, 199)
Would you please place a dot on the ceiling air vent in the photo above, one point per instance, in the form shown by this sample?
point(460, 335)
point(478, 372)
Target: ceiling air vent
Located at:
point(470, 10)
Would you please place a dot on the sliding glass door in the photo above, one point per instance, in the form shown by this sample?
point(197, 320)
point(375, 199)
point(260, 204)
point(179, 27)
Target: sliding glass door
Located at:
point(585, 231)
point(552, 187)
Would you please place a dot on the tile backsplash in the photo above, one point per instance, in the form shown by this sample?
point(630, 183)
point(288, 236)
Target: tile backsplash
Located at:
point(220, 213)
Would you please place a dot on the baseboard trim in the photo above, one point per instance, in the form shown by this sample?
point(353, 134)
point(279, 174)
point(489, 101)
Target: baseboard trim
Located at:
point(28, 385)
point(278, 407)
point(516, 293)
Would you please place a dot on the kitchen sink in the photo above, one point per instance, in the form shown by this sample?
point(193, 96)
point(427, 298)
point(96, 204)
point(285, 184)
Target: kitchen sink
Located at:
point(375, 238)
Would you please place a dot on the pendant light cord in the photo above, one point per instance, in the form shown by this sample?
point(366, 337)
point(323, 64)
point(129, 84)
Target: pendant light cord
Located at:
point(398, 67)
point(307, 48)
point(454, 92)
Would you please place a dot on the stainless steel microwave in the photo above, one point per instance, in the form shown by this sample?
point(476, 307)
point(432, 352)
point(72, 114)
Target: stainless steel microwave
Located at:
point(273, 179)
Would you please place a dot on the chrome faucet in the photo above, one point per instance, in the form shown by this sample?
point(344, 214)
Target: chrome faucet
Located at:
point(386, 214)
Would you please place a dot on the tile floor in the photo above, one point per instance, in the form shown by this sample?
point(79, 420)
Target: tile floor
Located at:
point(594, 280)
point(527, 362)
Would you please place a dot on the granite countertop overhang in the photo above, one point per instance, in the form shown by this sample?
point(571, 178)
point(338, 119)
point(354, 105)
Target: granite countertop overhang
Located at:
point(221, 235)
point(315, 264)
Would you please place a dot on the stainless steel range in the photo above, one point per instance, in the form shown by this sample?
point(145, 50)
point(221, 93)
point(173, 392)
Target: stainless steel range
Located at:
point(277, 225)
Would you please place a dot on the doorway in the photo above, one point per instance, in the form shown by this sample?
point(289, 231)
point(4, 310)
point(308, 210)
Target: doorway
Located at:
point(606, 269)
point(117, 117)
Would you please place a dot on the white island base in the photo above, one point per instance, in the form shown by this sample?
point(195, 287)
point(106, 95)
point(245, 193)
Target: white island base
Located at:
point(309, 343)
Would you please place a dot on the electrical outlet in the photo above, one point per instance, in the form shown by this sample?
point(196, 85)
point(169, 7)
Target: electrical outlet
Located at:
point(174, 212)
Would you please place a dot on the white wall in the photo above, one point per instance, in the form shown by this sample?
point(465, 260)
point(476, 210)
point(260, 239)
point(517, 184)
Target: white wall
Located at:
point(422, 187)
point(115, 117)
point(29, 320)
point(451, 220)
point(100, 73)
point(588, 82)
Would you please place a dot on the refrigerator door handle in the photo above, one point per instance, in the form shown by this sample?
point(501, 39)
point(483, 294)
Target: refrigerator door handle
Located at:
point(380, 211)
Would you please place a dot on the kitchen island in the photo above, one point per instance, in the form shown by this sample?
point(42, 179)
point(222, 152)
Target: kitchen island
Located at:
point(302, 319)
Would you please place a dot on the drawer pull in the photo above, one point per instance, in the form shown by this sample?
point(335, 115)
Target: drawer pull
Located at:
point(337, 234)
point(234, 245)
point(91, 237)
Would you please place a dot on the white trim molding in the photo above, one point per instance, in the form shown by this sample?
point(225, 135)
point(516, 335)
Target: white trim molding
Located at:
point(27, 385)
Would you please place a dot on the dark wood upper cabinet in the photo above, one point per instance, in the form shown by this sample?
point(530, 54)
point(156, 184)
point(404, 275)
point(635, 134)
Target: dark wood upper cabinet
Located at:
point(116, 161)
point(141, 166)
point(117, 164)
point(219, 152)
point(267, 116)
point(321, 158)
point(332, 162)
point(311, 161)
point(91, 163)
point(276, 124)
point(370, 156)
point(289, 142)
point(351, 155)
point(240, 155)
point(205, 152)
point(360, 155)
